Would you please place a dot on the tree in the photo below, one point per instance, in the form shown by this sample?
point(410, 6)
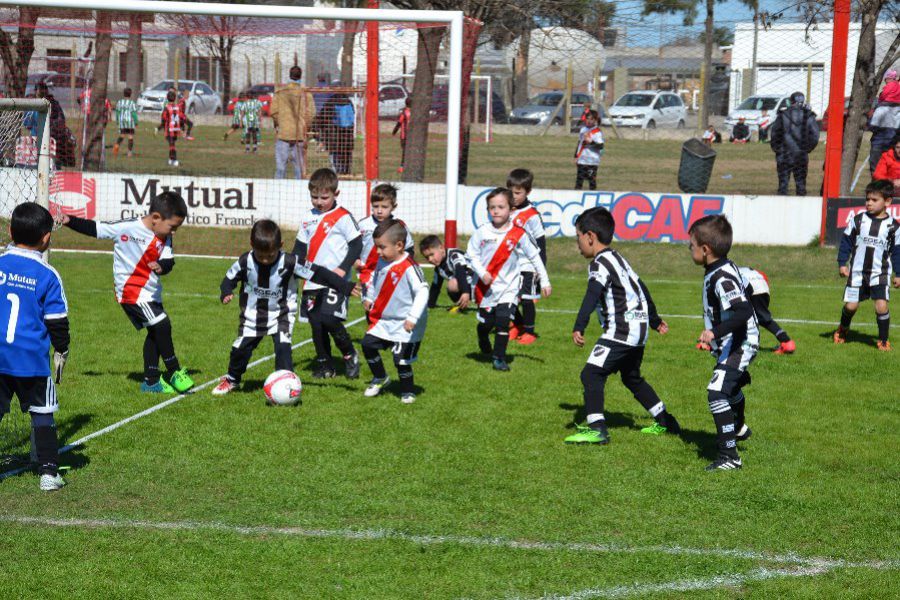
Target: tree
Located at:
point(16, 54)
point(96, 118)
point(134, 63)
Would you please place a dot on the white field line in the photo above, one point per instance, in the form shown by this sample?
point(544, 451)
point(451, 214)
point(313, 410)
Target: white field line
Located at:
point(812, 563)
point(157, 407)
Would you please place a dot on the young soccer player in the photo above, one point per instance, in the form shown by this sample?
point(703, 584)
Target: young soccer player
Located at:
point(237, 116)
point(170, 122)
point(871, 243)
point(526, 216)
point(588, 151)
point(328, 237)
point(396, 301)
point(449, 264)
point(188, 124)
point(252, 110)
point(268, 299)
point(756, 286)
point(142, 254)
point(34, 315)
point(127, 118)
point(383, 203)
point(495, 251)
point(730, 331)
point(402, 126)
point(626, 313)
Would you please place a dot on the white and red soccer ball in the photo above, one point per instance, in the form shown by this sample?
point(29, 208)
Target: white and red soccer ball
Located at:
point(283, 388)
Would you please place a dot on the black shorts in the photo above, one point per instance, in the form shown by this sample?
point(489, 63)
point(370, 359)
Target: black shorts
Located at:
point(171, 138)
point(35, 394)
point(866, 292)
point(494, 314)
point(727, 381)
point(250, 130)
point(144, 314)
point(530, 289)
point(326, 302)
point(405, 353)
point(127, 131)
point(613, 357)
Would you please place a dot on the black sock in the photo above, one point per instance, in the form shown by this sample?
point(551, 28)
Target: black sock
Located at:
point(518, 320)
point(529, 314)
point(725, 434)
point(375, 364)
point(884, 326)
point(47, 448)
point(484, 338)
point(118, 141)
point(779, 333)
point(406, 378)
point(151, 360)
point(162, 335)
point(737, 409)
point(846, 317)
point(501, 341)
point(320, 340)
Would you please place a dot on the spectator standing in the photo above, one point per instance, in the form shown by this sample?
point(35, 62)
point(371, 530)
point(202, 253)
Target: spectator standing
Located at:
point(292, 111)
point(794, 134)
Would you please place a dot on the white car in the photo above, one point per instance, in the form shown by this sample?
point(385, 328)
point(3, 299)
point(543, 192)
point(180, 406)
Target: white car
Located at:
point(648, 110)
point(391, 100)
point(751, 109)
point(201, 101)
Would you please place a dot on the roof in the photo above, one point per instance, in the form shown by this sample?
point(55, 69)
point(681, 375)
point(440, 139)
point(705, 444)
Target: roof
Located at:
point(653, 63)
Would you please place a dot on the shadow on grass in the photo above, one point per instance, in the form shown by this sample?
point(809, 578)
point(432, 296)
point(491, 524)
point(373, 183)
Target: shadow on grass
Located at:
point(65, 428)
point(612, 419)
point(853, 337)
point(138, 376)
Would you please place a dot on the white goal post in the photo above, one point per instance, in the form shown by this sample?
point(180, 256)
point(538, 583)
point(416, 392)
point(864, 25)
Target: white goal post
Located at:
point(452, 19)
point(42, 108)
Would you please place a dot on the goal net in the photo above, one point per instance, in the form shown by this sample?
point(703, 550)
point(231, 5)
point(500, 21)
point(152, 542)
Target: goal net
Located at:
point(269, 95)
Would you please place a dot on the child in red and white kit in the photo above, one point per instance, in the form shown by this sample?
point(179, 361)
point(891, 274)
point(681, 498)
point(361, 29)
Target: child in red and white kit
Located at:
point(170, 122)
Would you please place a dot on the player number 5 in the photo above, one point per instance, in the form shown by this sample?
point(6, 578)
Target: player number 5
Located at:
point(13, 317)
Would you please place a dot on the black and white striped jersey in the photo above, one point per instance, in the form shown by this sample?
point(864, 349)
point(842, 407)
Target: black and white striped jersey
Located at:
point(268, 296)
point(736, 343)
point(620, 299)
point(874, 250)
point(454, 260)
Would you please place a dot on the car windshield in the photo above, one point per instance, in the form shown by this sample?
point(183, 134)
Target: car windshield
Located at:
point(262, 89)
point(634, 100)
point(162, 86)
point(546, 100)
point(754, 103)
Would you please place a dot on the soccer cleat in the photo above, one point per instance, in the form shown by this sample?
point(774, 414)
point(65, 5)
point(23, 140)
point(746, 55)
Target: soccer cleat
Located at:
point(181, 381)
point(376, 385)
point(408, 398)
point(225, 137)
point(884, 346)
point(840, 335)
point(513, 332)
point(500, 365)
point(51, 483)
point(723, 463)
point(174, 163)
point(744, 434)
point(323, 371)
point(189, 138)
point(115, 149)
point(588, 435)
point(130, 154)
point(351, 366)
point(246, 150)
point(399, 169)
point(225, 385)
point(787, 347)
point(655, 429)
point(160, 387)
point(702, 346)
point(526, 339)
point(170, 162)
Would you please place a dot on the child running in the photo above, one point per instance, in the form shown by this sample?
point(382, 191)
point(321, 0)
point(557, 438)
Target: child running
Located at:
point(127, 119)
point(237, 116)
point(252, 110)
point(171, 121)
point(494, 252)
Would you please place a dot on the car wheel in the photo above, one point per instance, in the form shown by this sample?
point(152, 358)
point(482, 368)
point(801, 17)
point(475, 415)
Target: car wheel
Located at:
point(651, 124)
point(681, 124)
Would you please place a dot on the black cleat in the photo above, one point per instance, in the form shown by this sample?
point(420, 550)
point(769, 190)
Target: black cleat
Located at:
point(744, 434)
point(351, 366)
point(723, 463)
point(672, 426)
point(500, 365)
point(323, 371)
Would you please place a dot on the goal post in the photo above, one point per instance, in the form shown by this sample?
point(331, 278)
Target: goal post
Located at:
point(279, 19)
point(25, 144)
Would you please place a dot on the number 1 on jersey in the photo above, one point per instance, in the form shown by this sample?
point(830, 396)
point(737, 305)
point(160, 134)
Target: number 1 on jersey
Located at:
point(13, 317)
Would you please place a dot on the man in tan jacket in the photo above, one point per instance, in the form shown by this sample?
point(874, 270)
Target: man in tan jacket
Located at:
point(293, 110)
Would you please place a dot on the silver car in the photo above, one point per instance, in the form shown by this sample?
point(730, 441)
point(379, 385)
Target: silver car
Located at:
point(538, 109)
point(202, 100)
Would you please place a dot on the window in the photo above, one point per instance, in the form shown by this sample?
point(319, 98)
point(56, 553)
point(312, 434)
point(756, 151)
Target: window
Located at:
point(123, 67)
point(204, 88)
point(391, 92)
point(203, 68)
point(59, 60)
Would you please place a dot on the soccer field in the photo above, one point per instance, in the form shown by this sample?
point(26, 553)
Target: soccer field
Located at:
point(469, 492)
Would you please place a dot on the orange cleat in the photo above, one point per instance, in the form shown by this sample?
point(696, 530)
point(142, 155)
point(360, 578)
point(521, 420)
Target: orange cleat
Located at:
point(513, 332)
point(527, 339)
point(840, 336)
point(702, 346)
point(787, 347)
point(884, 346)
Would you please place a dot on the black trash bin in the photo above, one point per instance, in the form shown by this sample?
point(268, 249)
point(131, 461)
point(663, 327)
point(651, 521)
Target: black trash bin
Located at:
point(696, 166)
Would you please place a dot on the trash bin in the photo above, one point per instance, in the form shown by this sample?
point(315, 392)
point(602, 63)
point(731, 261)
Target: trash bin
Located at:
point(696, 166)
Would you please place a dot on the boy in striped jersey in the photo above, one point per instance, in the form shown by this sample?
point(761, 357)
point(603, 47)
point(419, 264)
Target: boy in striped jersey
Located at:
point(251, 111)
point(237, 116)
point(871, 242)
point(127, 118)
point(730, 331)
point(397, 303)
point(449, 264)
point(526, 216)
point(171, 121)
point(268, 299)
point(142, 253)
point(627, 313)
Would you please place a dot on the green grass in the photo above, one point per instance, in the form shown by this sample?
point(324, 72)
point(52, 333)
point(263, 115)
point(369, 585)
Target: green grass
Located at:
point(479, 455)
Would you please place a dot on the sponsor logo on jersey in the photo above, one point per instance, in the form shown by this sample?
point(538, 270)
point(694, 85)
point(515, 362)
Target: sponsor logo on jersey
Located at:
point(875, 242)
point(636, 315)
point(267, 293)
point(2, 278)
point(16, 280)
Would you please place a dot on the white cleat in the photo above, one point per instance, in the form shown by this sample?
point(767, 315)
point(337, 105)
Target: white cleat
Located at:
point(51, 483)
point(408, 398)
point(375, 387)
point(174, 163)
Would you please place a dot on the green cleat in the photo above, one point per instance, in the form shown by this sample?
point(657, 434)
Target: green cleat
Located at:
point(181, 381)
point(655, 429)
point(160, 387)
point(586, 435)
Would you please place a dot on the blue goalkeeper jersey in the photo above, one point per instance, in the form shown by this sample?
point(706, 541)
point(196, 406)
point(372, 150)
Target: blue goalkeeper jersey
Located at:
point(31, 292)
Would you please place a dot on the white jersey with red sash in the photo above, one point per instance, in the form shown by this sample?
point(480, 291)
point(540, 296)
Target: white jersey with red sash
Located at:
point(398, 293)
point(584, 154)
point(327, 236)
point(528, 218)
point(135, 248)
point(499, 253)
point(369, 256)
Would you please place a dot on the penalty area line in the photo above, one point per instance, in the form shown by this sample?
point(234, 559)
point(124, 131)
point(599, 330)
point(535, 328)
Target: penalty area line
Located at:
point(157, 407)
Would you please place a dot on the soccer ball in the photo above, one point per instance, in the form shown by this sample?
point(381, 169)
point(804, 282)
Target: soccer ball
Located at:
point(283, 388)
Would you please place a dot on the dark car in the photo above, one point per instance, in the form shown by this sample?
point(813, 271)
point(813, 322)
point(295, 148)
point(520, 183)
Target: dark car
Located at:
point(439, 104)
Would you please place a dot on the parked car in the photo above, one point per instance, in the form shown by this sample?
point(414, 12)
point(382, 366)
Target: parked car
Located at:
point(649, 109)
point(391, 100)
point(261, 91)
point(439, 104)
point(201, 101)
point(537, 110)
point(58, 84)
point(751, 109)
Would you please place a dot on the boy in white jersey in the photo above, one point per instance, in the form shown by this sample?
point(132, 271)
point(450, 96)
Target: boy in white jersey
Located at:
point(127, 119)
point(397, 302)
point(731, 333)
point(871, 243)
point(142, 254)
point(627, 313)
point(383, 202)
point(268, 299)
point(495, 252)
point(328, 237)
point(526, 216)
point(588, 151)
